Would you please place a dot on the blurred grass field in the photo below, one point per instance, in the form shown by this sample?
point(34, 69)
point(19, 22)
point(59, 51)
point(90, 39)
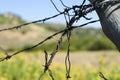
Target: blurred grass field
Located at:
point(85, 66)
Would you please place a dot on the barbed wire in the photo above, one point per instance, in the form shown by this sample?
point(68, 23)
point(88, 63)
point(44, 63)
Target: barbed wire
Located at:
point(78, 12)
point(102, 76)
point(33, 22)
point(73, 19)
point(48, 38)
point(88, 8)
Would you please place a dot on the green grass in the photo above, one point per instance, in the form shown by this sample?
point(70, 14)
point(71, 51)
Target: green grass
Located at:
point(26, 67)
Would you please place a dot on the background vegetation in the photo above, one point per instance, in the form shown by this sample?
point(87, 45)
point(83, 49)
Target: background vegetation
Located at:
point(29, 67)
point(82, 39)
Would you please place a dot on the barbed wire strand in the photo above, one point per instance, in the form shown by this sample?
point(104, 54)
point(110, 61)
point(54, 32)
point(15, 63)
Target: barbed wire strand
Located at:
point(55, 51)
point(55, 6)
point(89, 9)
point(46, 60)
point(29, 48)
point(73, 19)
point(42, 20)
point(67, 59)
point(51, 75)
point(48, 63)
point(49, 71)
point(64, 4)
point(102, 76)
point(54, 16)
point(68, 66)
point(49, 37)
point(83, 3)
point(67, 31)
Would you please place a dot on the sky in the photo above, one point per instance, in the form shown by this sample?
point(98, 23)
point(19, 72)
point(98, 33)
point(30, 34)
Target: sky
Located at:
point(31, 10)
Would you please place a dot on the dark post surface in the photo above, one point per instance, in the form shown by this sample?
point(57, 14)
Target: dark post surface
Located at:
point(109, 15)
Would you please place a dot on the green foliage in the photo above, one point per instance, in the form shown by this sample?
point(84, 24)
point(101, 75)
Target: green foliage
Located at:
point(81, 39)
point(17, 69)
point(85, 39)
point(101, 44)
point(10, 19)
point(27, 67)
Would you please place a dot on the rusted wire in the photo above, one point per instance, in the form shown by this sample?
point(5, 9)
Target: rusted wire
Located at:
point(78, 12)
point(33, 22)
point(102, 76)
point(46, 39)
point(67, 59)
